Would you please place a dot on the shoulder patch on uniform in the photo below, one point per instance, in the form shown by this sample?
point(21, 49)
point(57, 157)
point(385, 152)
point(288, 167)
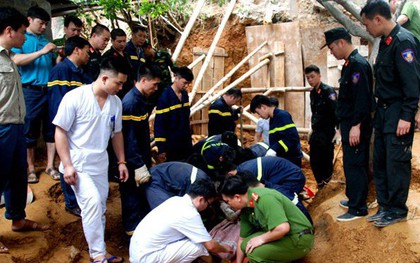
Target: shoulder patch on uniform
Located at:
point(332, 96)
point(255, 196)
point(408, 55)
point(355, 77)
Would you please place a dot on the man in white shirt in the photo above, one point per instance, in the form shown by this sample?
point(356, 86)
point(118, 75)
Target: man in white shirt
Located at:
point(87, 118)
point(174, 231)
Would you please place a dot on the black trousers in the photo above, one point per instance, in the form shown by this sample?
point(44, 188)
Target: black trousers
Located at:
point(356, 163)
point(392, 170)
point(322, 155)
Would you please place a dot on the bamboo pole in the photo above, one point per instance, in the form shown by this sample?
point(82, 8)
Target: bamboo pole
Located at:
point(195, 62)
point(233, 84)
point(227, 76)
point(187, 29)
point(212, 49)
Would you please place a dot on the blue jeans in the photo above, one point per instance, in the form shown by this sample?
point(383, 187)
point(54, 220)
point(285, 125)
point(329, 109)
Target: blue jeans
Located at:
point(13, 176)
point(69, 196)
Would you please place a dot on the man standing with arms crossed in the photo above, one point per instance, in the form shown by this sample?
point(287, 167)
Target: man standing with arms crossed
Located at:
point(397, 89)
point(87, 118)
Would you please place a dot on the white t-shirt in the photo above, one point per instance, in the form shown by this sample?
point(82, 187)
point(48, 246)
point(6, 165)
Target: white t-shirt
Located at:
point(175, 219)
point(263, 126)
point(88, 128)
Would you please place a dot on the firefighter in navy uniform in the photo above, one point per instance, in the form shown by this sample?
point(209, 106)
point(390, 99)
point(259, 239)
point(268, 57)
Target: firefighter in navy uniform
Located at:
point(354, 104)
point(99, 38)
point(221, 115)
point(134, 48)
point(397, 75)
point(323, 122)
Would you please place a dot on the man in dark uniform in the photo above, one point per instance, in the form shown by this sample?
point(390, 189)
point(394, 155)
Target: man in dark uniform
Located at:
point(161, 59)
point(283, 135)
point(118, 42)
point(221, 115)
point(354, 106)
point(172, 123)
point(397, 75)
point(99, 38)
point(323, 122)
point(135, 121)
point(134, 47)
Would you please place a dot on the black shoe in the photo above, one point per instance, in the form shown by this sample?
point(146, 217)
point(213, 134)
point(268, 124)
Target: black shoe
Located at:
point(376, 216)
point(389, 219)
point(344, 203)
point(75, 211)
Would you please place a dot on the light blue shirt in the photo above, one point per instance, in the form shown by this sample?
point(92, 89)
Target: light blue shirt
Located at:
point(38, 71)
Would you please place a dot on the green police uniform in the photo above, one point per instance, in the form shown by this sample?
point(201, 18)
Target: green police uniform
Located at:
point(413, 23)
point(267, 209)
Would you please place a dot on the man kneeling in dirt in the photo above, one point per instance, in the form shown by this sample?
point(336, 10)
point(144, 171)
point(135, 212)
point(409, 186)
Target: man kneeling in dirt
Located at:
point(174, 231)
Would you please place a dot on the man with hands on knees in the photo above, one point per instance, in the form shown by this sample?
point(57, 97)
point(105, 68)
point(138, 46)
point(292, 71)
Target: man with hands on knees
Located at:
point(272, 228)
point(135, 121)
point(87, 118)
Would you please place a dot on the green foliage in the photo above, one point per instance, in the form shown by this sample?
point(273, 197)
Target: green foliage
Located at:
point(157, 8)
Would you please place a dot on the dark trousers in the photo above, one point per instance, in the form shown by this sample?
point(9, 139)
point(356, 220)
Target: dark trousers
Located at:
point(392, 170)
point(13, 177)
point(134, 206)
point(37, 115)
point(356, 162)
point(69, 196)
point(322, 155)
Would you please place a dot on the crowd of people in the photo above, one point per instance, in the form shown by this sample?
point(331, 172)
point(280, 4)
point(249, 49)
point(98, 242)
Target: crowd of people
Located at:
point(93, 110)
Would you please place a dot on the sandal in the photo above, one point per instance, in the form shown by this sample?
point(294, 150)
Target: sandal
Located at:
point(103, 260)
point(30, 225)
point(32, 178)
point(53, 173)
point(115, 259)
point(3, 249)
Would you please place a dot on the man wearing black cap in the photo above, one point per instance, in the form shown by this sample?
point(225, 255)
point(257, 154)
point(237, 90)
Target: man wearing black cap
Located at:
point(353, 114)
point(397, 74)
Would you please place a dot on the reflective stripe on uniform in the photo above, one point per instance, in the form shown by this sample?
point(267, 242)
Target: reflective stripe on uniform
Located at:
point(224, 114)
point(173, 107)
point(264, 145)
point(285, 127)
point(135, 118)
point(193, 174)
point(286, 149)
point(160, 139)
point(64, 83)
point(259, 168)
point(295, 199)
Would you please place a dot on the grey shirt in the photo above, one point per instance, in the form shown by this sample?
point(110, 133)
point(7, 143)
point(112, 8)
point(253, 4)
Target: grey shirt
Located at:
point(12, 103)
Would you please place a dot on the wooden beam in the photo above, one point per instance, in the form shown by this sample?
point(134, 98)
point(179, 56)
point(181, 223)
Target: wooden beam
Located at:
point(195, 62)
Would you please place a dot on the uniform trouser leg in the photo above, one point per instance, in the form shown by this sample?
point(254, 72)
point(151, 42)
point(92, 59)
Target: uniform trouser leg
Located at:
point(13, 177)
point(91, 193)
point(322, 154)
point(156, 195)
point(392, 171)
point(355, 160)
point(69, 196)
point(288, 248)
point(134, 206)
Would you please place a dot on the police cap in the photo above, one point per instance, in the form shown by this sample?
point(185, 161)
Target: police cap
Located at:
point(335, 34)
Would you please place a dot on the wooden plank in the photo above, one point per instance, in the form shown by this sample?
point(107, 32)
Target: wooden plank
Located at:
point(278, 71)
point(289, 34)
point(312, 39)
point(197, 116)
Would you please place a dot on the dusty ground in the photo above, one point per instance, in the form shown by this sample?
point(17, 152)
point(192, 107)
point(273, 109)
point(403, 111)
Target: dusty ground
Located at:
point(356, 241)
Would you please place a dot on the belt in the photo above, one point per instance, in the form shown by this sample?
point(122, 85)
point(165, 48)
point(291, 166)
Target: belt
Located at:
point(42, 88)
point(307, 231)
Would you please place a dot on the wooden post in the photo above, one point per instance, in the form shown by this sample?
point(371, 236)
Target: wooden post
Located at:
point(212, 48)
point(187, 29)
point(233, 84)
point(231, 72)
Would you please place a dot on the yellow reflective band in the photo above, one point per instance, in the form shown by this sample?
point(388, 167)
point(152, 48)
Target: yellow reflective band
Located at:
point(186, 104)
point(173, 107)
point(259, 168)
point(264, 145)
point(160, 139)
point(134, 57)
point(285, 127)
point(135, 118)
point(224, 114)
point(64, 83)
point(286, 149)
point(210, 167)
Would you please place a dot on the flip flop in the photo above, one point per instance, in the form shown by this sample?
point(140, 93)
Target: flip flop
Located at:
point(115, 259)
point(53, 173)
point(3, 249)
point(104, 260)
point(32, 178)
point(30, 226)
